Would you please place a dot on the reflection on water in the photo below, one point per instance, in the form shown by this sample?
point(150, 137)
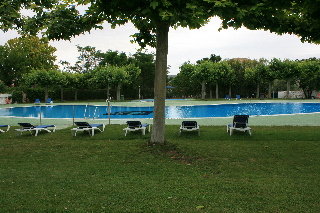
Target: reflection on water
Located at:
point(199, 111)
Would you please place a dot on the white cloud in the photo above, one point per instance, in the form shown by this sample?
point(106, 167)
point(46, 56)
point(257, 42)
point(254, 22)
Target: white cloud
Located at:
point(191, 45)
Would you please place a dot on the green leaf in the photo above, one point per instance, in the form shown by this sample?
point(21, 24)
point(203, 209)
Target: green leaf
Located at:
point(154, 4)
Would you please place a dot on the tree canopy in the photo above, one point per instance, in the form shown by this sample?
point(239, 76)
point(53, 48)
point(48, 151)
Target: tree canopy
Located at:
point(21, 55)
point(61, 19)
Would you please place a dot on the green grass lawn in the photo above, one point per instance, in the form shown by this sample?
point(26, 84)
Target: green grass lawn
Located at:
point(277, 169)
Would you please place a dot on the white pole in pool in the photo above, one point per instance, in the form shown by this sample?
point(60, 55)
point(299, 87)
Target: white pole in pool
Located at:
point(94, 114)
point(108, 110)
point(85, 111)
point(73, 115)
point(40, 116)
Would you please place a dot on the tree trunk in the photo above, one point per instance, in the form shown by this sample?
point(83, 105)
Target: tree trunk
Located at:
point(203, 90)
point(210, 92)
point(76, 95)
point(24, 97)
point(46, 94)
point(269, 90)
point(258, 91)
point(288, 88)
point(217, 91)
point(230, 91)
point(158, 128)
point(61, 93)
point(118, 91)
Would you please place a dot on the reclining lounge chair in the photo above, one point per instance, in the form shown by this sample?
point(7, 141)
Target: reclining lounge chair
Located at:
point(4, 126)
point(136, 126)
point(189, 126)
point(84, 126)
point(49, 101)
point(240, 123)
point(27, 127)
point(37, 101)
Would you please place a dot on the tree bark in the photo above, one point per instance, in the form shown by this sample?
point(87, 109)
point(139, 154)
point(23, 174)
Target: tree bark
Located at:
point(258, 91)
point(24, 97)
point(118, 91)
point(61, 93)
point(158, 128)
point(288, 88)
point(203, 90)
point(269, 90)
point(46, 94)
point(76, 95)
point(210, 92)
point(217, 91)
point(230, 91)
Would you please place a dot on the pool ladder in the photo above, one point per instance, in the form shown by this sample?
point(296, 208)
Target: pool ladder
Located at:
point(87, 112)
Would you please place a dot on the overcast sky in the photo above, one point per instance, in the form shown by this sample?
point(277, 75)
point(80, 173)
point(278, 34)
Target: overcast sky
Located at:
point(191, 45)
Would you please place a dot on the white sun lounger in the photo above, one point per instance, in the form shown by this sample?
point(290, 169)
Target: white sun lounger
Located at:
point(136, 126)
point(27, 127)
point(240, 123)
point(84, 126)
point(189, 126)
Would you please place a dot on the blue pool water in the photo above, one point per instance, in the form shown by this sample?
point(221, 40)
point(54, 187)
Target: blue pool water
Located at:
point(198, 111)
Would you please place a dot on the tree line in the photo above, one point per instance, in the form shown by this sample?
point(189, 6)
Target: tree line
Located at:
point(29, 62)
point(241, 76)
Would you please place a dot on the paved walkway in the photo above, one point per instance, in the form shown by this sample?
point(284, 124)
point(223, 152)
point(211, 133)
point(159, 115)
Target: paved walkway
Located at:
point(280, 120)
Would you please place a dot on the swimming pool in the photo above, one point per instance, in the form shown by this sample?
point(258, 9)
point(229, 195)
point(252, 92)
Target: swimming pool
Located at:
point(174, 112)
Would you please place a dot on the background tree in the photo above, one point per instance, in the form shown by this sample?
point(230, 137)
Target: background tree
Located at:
point(3, 87)
point(77, 81)
point(21, 55)
point(226, 75)
point(202, 74)
point(255, 76)
point(239, 65)
point(286, 70)
point(146, 63)
point(213, 58)
point(309, 76)
point(44, 79)
point(89, 58)
point(183, 82)
point(114, 58)
point(267, 74)
point(102, 78)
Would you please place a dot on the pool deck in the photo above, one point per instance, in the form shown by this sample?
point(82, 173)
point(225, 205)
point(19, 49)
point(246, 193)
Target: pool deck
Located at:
point(274, 120)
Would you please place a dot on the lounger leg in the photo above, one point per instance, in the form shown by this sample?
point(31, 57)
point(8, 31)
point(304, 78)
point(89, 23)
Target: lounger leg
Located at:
point(6, 129)
point(249, 131)
point(125, 134)
point(231, 131)
point(1, 130)
point(143, 131)
point(36, 133)
point(47, 130)
point(92, 132)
